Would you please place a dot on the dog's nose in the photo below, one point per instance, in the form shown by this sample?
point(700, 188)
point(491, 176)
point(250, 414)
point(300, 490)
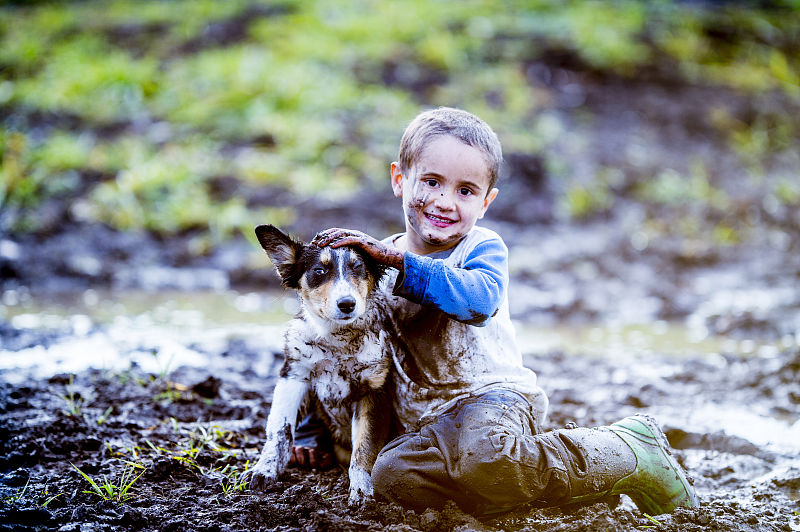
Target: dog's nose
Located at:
point(346, 304)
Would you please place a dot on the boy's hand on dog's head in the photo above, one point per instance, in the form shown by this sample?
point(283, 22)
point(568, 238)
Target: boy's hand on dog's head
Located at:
point(380, 252)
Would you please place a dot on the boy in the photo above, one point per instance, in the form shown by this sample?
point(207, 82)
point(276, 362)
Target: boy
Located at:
point(472, 412)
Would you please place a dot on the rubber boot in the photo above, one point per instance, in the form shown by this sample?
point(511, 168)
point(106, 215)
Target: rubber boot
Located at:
point(630, 457)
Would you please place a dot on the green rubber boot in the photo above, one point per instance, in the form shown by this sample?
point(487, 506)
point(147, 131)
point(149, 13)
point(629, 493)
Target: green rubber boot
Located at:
point(658, 484)
point(630, 457)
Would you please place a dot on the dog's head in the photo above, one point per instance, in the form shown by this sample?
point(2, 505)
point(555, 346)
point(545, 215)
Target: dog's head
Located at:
point(334, 284)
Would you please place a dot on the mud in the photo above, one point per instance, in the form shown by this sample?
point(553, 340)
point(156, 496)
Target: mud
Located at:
point(191, 432)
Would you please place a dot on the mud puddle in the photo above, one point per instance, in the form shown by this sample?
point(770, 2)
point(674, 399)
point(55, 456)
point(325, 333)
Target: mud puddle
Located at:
point(170, 394)
point(157, 332)
point(87, 324)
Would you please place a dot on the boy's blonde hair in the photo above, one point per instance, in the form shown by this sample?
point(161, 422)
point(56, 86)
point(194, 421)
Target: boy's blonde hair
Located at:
point(462, 125)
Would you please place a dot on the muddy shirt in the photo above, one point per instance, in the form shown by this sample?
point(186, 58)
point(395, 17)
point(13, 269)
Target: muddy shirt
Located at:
point(455, 329)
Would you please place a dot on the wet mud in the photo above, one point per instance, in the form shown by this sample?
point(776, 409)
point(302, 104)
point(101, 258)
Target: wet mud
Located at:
point(185, 438)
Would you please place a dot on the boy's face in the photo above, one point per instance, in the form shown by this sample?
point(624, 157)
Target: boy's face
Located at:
point(444, 193)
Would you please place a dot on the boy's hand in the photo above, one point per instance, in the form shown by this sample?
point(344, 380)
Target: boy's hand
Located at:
point(336, 237)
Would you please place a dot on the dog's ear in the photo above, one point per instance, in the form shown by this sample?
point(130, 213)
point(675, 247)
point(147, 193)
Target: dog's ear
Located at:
point(378, 271)
point(283, 251)
point(375, 268)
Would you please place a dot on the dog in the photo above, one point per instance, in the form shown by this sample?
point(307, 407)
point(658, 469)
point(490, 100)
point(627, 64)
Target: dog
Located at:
point(337, 357)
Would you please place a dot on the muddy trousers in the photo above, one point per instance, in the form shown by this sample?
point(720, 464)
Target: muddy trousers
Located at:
point(488, 454)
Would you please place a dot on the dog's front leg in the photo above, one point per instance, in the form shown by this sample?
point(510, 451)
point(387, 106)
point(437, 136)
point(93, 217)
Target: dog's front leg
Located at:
point(286, 400)
point(369, 433)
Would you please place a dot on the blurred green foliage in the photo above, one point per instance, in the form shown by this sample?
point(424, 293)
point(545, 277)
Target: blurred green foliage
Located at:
point(134, 107)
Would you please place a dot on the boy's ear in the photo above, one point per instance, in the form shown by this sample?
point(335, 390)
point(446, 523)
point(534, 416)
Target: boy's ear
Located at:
point(490, 197)
point(397, 179)
point(283, 251)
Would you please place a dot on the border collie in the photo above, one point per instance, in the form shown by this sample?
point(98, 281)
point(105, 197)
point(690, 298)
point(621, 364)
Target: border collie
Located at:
point(338, 351)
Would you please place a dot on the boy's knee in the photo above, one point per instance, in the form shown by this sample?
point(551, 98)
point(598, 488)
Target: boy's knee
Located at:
point(412, 473)
point(494, 471)
point(476, 465)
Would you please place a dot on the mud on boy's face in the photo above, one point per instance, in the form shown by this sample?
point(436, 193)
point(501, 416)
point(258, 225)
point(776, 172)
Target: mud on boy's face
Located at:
point(444, 193)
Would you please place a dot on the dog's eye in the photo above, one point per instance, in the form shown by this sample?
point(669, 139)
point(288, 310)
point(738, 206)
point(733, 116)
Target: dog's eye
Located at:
point(320, 270)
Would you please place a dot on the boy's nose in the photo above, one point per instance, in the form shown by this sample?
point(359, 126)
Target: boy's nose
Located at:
point(443, 200)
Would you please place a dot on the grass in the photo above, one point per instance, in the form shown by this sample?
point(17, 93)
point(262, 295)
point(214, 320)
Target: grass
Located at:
point(313, 96)
point(207, 451)
point(653, 520)
point(22, 494)
point(234, 480)
point(117, 490)
point(73, 401)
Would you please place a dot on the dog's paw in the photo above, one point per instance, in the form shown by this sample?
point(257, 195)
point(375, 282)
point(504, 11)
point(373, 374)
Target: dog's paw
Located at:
point(261, 479)
point(360, 487)
point(358, 497)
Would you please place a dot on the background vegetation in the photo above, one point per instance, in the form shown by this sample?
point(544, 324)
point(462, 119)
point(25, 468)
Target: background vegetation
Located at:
point(167, 116)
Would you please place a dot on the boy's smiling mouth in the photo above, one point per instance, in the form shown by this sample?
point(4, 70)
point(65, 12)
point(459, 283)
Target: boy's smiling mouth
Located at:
point(439, 221)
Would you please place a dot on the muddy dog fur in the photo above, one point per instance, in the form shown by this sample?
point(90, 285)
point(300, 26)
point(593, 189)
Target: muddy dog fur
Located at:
point(338, 353)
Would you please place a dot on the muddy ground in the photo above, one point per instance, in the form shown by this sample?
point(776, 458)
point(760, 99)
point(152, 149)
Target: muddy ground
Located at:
point(178, 411)
point(191, 431)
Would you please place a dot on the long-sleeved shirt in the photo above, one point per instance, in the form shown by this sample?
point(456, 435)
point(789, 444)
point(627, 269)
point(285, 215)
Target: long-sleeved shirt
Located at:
point(455, 329)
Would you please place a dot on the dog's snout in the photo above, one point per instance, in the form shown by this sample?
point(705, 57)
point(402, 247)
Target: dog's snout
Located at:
point(346, 304)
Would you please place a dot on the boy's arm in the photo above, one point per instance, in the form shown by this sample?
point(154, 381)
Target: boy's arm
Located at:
point(470, 294)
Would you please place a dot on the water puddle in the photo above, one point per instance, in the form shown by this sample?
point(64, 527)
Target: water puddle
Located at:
point(164, 307)
point(641, 340)
point(157, 331)
point(80, 313)
point(99, 327)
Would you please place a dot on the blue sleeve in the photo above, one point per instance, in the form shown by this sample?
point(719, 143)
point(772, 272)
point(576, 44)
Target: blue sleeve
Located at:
point(470, 294)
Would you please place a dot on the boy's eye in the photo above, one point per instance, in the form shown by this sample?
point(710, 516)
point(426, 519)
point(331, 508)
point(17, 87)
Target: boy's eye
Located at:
point(431, 182)
point(464, 191)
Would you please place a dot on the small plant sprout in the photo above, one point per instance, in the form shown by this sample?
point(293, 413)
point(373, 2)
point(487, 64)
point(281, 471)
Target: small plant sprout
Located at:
point(234, 480)
point(104, 416)
point(164, 369)
point(24, 492)
point(74, 401)
point(20, 493)
point(118, 492)
point(171, 391)
point(653, 520)
point(48, 498)
point(154, 448)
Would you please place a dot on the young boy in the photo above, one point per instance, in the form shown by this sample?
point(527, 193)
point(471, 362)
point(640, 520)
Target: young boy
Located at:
point(472, 412)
